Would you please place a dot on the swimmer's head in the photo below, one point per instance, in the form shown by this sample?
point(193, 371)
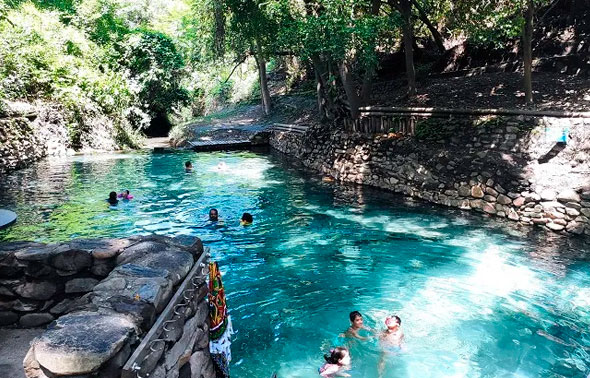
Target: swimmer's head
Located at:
point(338, 355)
point(393, 322)
point(188, 165)
point(113, 198)
point(126, 193)
point(356, 319)
point(213, 215)
point(246, 219)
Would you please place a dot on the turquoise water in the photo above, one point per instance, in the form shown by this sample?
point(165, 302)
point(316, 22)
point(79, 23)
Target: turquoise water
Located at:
point(477, 298)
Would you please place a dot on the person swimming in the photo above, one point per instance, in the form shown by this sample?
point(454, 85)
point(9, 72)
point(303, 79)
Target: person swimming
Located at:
point(112, 200)
point(125, 195)
point(337, 363)
point(390, 340)
point(356, 324)
point(393, 336)
point(213, 215)
point(246, 219)
point(222, 166)
point(188, 166)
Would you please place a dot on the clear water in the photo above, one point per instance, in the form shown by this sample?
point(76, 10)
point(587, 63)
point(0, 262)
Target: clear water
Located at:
point(477, 298)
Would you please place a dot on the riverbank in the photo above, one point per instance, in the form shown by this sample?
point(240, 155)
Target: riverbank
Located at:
point(510, 167)
point(32, 131)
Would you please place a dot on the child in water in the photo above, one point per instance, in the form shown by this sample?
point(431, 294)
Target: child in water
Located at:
point(246, 219)
point(337, 363)
point(188, 167)
point(390, 340)
point(392, 337)
point(356, 324)
point(125, 195)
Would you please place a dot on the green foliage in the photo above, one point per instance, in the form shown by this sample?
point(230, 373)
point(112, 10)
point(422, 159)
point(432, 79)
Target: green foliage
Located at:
point(432, 130)
point(155, 65)
point(491, 22)
point(221, 92)
point(132, 60)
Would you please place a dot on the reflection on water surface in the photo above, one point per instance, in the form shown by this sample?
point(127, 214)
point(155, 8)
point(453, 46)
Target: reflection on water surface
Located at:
point(476, 297)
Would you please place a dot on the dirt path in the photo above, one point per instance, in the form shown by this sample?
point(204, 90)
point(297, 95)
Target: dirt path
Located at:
point(243, 121)
point(14, 345)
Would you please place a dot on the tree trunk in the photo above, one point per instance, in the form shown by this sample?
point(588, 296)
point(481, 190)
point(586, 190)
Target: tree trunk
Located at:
point(406, 8)
point(264, 91)
point(219, 16)
point(367, 86)
point(527, 38)
point(350, 89)
point(438, 38)
point(325, 103)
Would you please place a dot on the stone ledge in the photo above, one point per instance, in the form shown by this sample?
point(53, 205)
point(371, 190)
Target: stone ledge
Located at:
point(102, 318)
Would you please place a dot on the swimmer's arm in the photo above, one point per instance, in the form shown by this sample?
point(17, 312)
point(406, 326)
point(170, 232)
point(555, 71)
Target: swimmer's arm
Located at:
point(355, 334)
point(330, 370)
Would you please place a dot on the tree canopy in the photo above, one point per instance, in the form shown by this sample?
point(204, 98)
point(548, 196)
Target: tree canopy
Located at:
point(141, 60)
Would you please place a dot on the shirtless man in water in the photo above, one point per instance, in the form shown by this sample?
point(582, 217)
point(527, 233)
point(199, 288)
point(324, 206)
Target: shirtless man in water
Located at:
point(390, 339)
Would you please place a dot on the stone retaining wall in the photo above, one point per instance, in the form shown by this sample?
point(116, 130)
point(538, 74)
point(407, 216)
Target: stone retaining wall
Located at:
point(105, 295)
point(510, 167)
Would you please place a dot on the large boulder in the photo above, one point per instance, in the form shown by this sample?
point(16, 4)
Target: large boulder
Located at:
point(177, 262)
point(82, 342)
point(140, 249)
point(138, 283)
point(71, 259)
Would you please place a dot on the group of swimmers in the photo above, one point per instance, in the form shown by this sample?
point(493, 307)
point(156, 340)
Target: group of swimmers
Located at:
point(125, 195)
point(114, 197)
point(338, 361)
point(246, 220)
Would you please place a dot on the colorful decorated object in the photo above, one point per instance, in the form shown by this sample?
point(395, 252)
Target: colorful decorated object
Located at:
point(220, 327)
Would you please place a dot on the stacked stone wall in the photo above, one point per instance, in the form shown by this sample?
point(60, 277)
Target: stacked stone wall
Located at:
point(509, 167)
point(40, 282)
point(102, 298)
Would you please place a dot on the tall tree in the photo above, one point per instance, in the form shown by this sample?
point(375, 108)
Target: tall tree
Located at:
point(405, 8)
point(527, 50)
point(438, 38)
point(252, 34)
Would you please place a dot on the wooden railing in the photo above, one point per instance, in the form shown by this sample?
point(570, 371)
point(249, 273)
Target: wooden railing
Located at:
point(378, 119)
point(297, 129)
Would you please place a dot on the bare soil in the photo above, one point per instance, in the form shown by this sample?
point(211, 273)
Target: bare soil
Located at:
point(551, 91)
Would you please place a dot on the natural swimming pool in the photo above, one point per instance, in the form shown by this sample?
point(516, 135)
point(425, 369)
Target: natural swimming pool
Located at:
point(476, 297)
